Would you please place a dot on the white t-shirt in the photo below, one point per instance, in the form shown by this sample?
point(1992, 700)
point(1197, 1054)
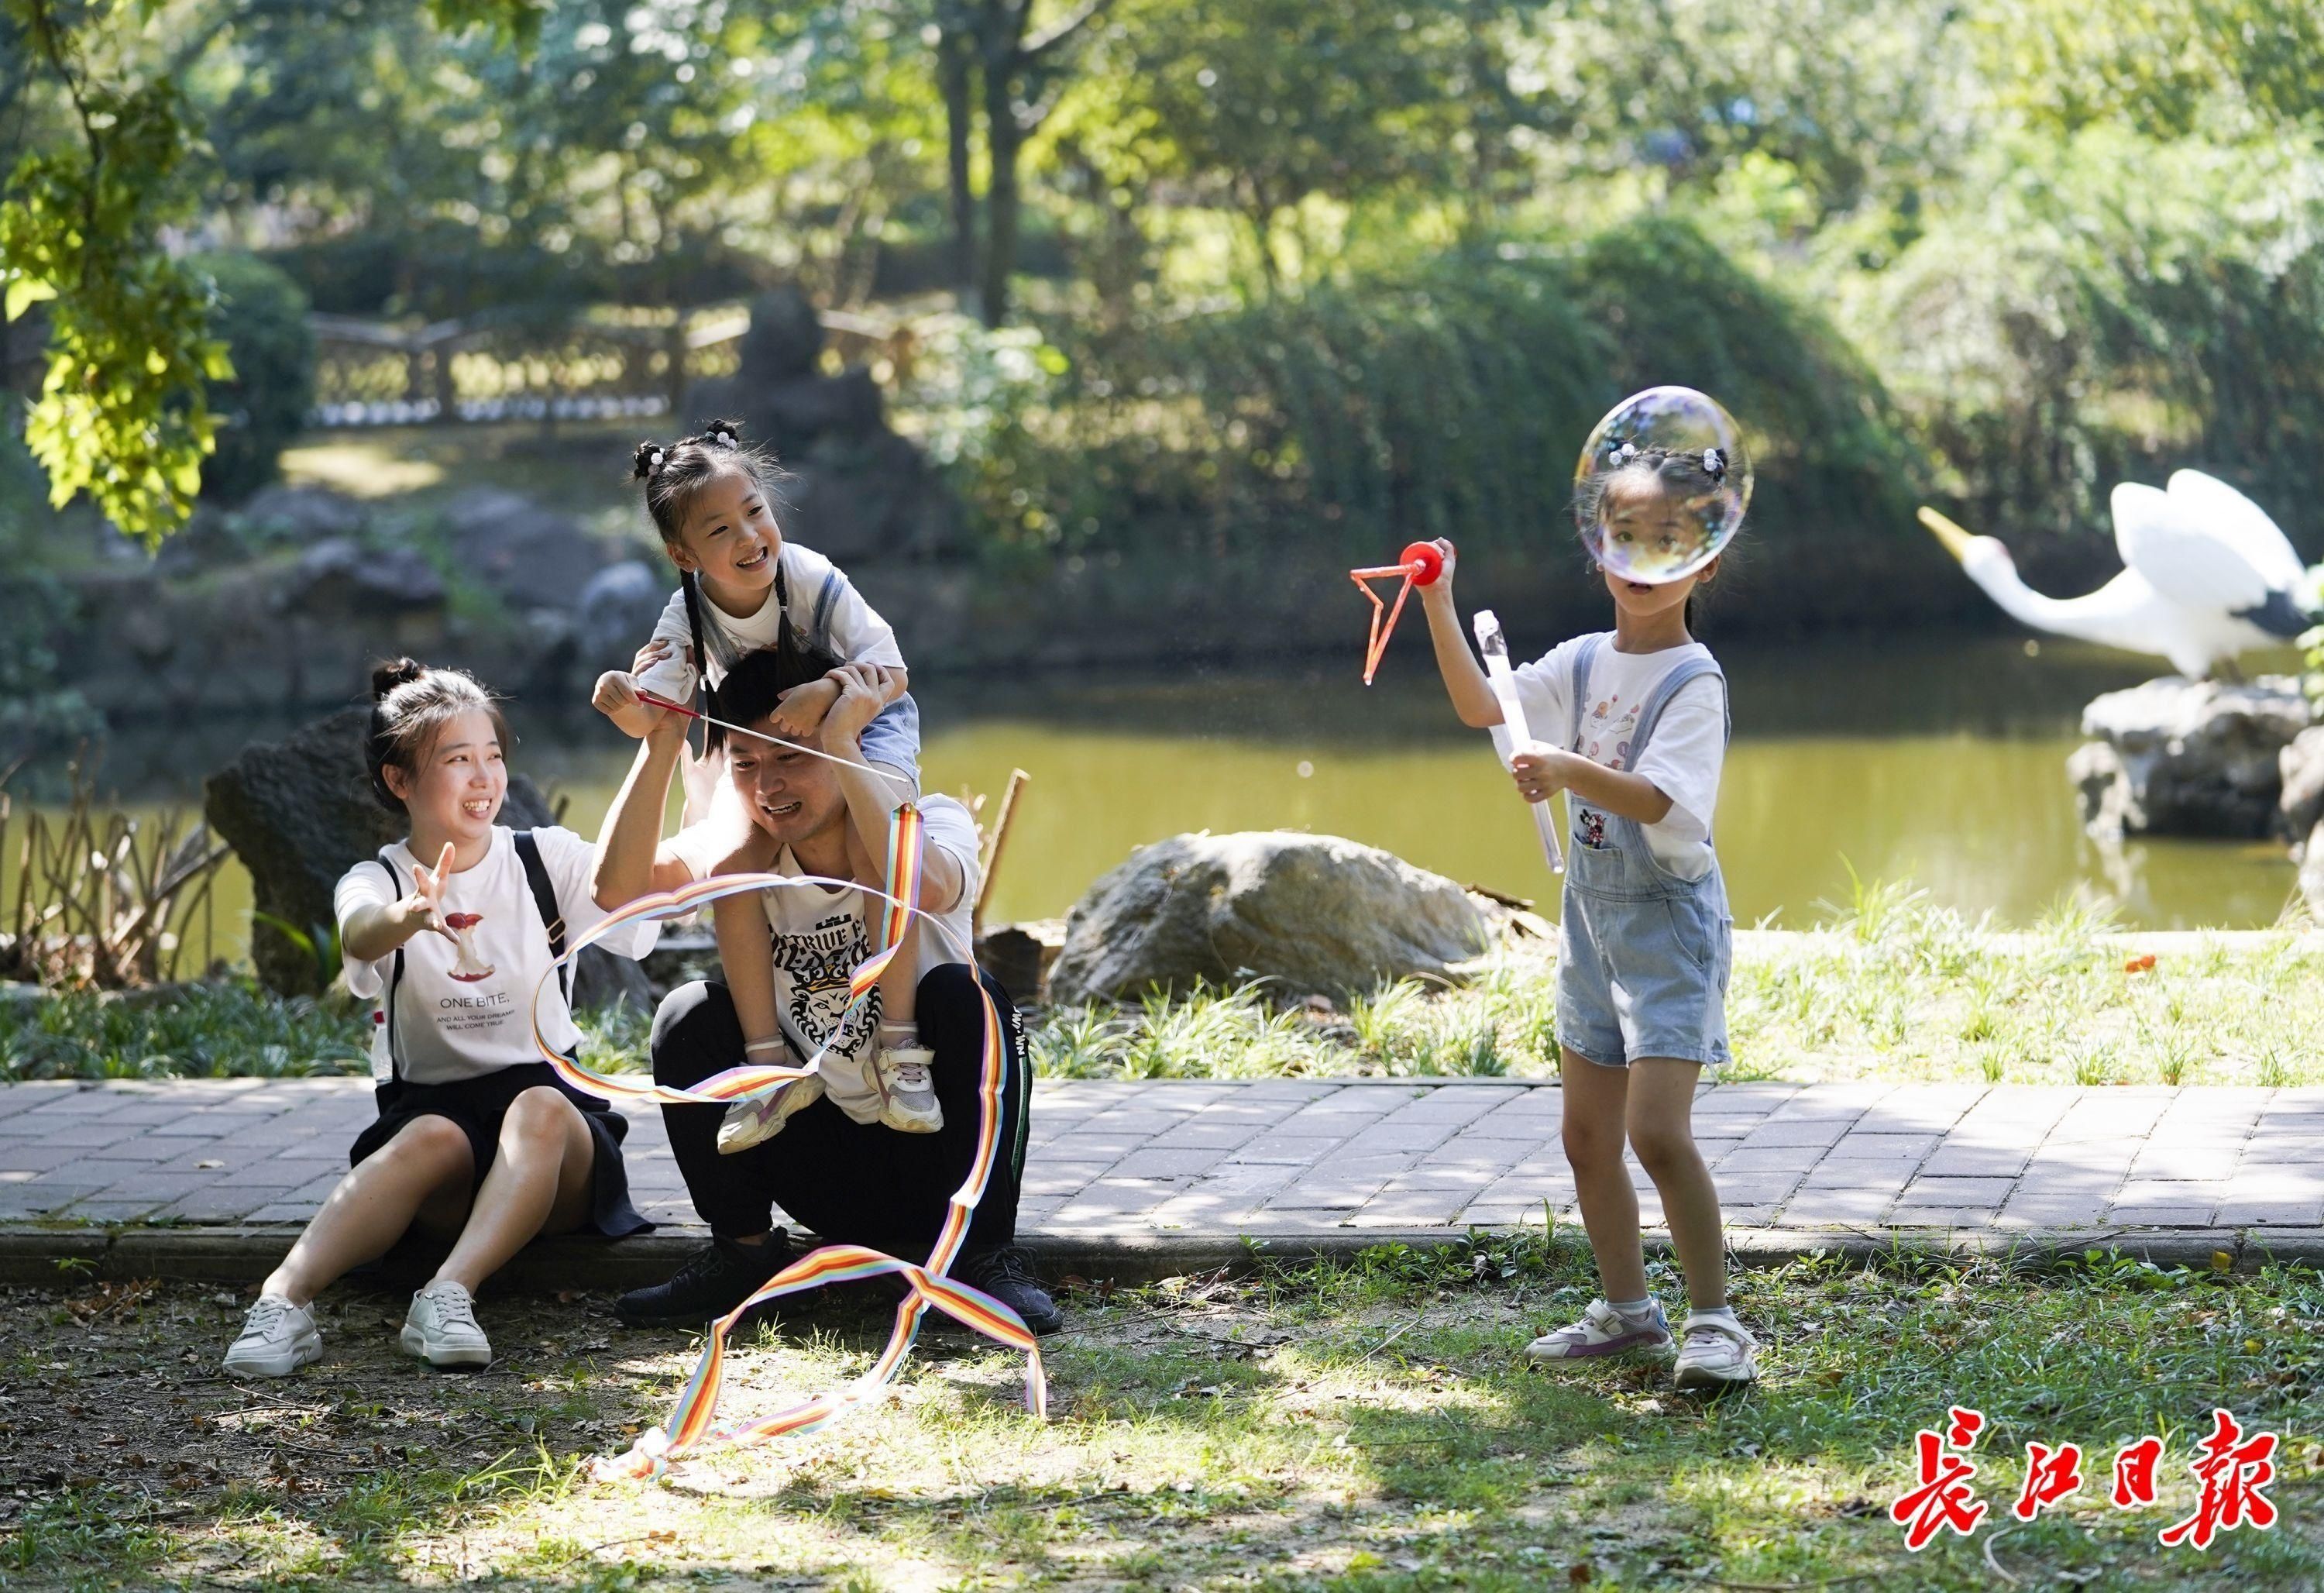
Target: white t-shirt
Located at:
point(466, 1009)
point(1682, 758)
point(821, 936)
point(824, 609)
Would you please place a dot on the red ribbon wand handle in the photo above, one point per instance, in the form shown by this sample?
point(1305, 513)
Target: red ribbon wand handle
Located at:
point(1419, 564)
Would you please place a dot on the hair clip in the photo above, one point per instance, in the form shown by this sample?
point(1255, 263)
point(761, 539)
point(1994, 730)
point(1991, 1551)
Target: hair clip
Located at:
point(653, 461)
point(723, 436)
point(1714, 464)
point(1623, 452)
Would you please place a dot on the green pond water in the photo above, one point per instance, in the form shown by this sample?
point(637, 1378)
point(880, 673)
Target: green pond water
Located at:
point(1936, 760)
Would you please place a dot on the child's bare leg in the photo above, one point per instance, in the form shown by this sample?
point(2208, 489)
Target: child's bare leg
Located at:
point(900, 990)
point(1596, 1112)
point(422, 1174)
point(1662, 1130)
point(538, 1183)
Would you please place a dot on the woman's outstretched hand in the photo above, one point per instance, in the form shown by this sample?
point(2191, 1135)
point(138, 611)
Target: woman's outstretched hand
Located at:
point(424, 908)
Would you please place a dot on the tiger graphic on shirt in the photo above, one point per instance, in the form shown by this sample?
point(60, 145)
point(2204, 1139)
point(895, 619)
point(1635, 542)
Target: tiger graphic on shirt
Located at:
point(812, 969)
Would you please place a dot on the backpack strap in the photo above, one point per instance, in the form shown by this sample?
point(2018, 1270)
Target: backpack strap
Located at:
point(818, 633)
point(395, 974)
point(544, 899)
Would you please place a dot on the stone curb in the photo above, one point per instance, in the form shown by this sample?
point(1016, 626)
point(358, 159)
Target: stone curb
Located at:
point(61, 1254)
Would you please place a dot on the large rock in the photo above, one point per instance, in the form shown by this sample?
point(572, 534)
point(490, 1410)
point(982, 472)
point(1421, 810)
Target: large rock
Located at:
point(615, 614)
point(299, 813)
point(532, 555)
point(870, 500)
point(860, 492)
point(1314, 912)
point(2187, 757)
point(298, 515)
point(2301, 766)
point(340, 576)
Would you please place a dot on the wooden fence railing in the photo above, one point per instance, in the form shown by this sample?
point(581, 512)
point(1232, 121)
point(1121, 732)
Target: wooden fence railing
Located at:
point(514, 367)
point(367, 374)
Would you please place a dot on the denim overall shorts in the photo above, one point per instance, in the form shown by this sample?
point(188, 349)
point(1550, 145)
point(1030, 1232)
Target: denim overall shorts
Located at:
point(1643, 955)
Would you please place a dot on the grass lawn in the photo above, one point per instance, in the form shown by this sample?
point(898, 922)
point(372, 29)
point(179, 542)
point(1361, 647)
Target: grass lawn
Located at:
point(1893, 988)
point(1364, 1426)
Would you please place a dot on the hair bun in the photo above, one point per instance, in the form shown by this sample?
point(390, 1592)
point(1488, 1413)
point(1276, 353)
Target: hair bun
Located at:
point(724, 433)
point(386, 677)
point(649, 459)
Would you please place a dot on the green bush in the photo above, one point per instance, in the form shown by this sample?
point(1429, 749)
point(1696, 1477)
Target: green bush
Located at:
point(1449, 398)
point(262, 317)
point(2115, 310)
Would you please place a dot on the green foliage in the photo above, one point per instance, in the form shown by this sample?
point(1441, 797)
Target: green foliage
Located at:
point(1447, 399)
point(231, 1028)
point(2170, 67)
point(1266, 104)
point(122, 414)
point(38, 713)
point(2116, 308)
point(260, 316)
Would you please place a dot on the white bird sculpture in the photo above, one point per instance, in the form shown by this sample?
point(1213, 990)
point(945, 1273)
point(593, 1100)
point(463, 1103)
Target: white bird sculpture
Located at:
point(2207, 576)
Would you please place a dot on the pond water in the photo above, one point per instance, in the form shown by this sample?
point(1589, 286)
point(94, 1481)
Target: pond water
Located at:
point(1940, 760)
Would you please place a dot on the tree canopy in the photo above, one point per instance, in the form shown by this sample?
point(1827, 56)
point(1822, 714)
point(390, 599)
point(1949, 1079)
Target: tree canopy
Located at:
point(2041, 241)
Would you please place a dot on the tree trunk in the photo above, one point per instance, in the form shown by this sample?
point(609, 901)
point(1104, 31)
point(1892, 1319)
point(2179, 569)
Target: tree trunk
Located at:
point(954, 65)
point(1003, 138)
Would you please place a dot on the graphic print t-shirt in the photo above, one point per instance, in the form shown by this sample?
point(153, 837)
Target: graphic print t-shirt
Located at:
point(825, 609)
point(1683, 759)
point(465, 1008)
point(820, 938)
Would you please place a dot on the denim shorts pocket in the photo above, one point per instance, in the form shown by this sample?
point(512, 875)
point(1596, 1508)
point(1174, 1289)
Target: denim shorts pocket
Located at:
point(1691, 927)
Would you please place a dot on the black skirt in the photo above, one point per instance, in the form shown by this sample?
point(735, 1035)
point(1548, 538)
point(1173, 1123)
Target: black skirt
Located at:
point(477, 1106)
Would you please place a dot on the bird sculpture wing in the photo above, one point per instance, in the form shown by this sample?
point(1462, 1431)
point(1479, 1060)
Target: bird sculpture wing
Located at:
point(2236, 521)
point(2184, 558)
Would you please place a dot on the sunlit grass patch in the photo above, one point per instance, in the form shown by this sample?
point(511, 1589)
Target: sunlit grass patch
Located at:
point(1370, 1423)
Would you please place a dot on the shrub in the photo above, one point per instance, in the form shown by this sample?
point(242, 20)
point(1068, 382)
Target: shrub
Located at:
point(1447, 398)
point(2115, 310)
point(262, 317)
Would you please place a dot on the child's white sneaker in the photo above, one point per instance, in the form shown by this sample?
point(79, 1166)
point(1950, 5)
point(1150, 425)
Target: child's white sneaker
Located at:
point(1719, 1352)
point(907, 1078)
point(277, 1338)
point(441, 1327)
point(759, 1118)
point(1604, 1333)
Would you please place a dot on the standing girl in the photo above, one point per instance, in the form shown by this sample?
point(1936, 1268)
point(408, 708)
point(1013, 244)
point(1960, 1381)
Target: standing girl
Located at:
point(1644, 948)
point(451, 932)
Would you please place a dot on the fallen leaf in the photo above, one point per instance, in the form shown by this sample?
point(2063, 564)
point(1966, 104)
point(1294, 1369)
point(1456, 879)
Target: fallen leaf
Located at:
point(2139, 963)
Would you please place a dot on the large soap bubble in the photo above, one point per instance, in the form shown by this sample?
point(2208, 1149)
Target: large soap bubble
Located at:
point(1661, 485)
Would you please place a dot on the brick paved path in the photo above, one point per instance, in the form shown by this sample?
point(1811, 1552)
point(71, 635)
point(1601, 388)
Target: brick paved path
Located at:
point(1286, 1157)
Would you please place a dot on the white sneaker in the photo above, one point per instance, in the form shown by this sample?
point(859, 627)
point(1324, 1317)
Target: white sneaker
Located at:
point(1718, 1354)
point(441, 1329)
point(756, 1118)
point(277, 1338)
point(1604, 1333)
point(907, 1088)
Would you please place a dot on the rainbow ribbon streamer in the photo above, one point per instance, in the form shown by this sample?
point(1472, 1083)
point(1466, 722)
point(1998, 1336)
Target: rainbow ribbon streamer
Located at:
point(693, 1420)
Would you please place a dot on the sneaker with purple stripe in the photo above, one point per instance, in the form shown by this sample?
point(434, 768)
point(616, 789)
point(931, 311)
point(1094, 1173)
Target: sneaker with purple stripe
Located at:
point(1604, 1333)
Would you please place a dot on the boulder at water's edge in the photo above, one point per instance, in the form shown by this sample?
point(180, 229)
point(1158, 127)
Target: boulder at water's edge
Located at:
point(1315, 913)
point(2187, 757)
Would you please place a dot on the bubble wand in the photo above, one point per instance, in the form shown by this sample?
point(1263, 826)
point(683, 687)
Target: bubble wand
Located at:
point(1419, 564)
point(1510, 737)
